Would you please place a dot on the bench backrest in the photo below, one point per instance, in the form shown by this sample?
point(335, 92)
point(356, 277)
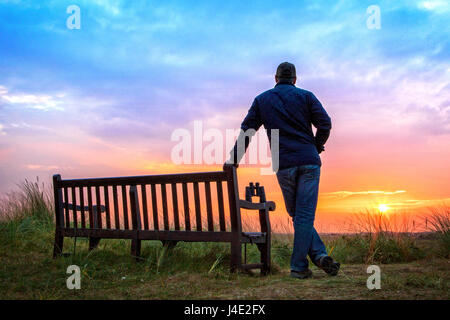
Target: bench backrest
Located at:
point(166, 202)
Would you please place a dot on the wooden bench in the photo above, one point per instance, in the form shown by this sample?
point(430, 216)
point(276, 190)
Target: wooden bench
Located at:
point(130, 208)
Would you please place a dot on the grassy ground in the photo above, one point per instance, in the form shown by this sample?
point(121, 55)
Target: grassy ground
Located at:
point(411, 267)
point(196, 271)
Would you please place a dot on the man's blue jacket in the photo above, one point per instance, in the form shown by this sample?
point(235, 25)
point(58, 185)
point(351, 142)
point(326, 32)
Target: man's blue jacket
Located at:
point(291, 110)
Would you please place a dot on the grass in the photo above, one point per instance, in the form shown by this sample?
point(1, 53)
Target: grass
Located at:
point(413, 267)
point(438, 222)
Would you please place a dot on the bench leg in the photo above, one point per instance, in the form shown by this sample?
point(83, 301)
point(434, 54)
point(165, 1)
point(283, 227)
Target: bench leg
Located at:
point(264, 249)
point(136, 249)
point(236, 256)
point(58, 245)
point(93, 243)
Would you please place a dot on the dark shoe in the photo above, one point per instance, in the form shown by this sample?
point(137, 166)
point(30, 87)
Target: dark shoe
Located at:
point(328, 265)
point(301, 274)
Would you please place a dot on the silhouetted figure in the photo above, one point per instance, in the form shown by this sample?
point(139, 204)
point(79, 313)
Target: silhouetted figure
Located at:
point(292, 111)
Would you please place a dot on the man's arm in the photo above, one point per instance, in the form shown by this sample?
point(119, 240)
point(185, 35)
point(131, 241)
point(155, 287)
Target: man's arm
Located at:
point(321, 121)
point(252, 122)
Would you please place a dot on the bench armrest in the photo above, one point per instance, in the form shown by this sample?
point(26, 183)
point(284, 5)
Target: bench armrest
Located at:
point(269, 205)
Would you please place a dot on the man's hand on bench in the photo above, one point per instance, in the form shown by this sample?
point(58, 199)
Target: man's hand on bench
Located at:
point(228, 163)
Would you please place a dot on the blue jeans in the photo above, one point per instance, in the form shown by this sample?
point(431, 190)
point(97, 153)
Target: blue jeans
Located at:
point(300, 188)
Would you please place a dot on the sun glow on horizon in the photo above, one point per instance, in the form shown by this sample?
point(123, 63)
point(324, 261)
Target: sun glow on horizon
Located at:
point(383, 208)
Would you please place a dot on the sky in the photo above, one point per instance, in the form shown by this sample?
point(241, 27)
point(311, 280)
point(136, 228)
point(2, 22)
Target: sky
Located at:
point(105, 99)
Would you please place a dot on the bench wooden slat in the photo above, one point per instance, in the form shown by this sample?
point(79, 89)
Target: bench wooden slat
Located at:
point(98, 233)
point(209, 206)
point(98, 213)
point(134, 204)
point(83, 217)
point(154, 207)
point(161, 235)
point(152, 179)
point(107, 210)
point(164, 205)
point(116, 208)
point(187, 218)
point(150, 234)
point(74, 211)
point(221, 206)
point(198, 213)
point(125, 207)
point(176, 217)
point(66, 207)
point(144, 206)
point(90, 210)
point(188, 236)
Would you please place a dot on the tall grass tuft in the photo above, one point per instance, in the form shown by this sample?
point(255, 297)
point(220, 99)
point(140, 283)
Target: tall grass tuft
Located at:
point(438, 222)
point(377, 238)
point(27, 210)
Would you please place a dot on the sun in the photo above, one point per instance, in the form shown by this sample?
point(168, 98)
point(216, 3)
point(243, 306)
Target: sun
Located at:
point(383, 208)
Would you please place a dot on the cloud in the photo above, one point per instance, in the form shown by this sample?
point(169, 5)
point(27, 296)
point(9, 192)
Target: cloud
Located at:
point(111, 6)
point(39, 167)
point(2, 133)
point(25, 125)
point(420, 202)
point(439, 6)
point(346, 194)
point(33, 101)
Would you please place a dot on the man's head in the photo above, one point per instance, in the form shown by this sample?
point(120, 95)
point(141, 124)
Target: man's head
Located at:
point(286, 73)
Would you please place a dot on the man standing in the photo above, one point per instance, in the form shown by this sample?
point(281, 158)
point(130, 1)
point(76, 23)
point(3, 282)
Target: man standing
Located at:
point(292, 111)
